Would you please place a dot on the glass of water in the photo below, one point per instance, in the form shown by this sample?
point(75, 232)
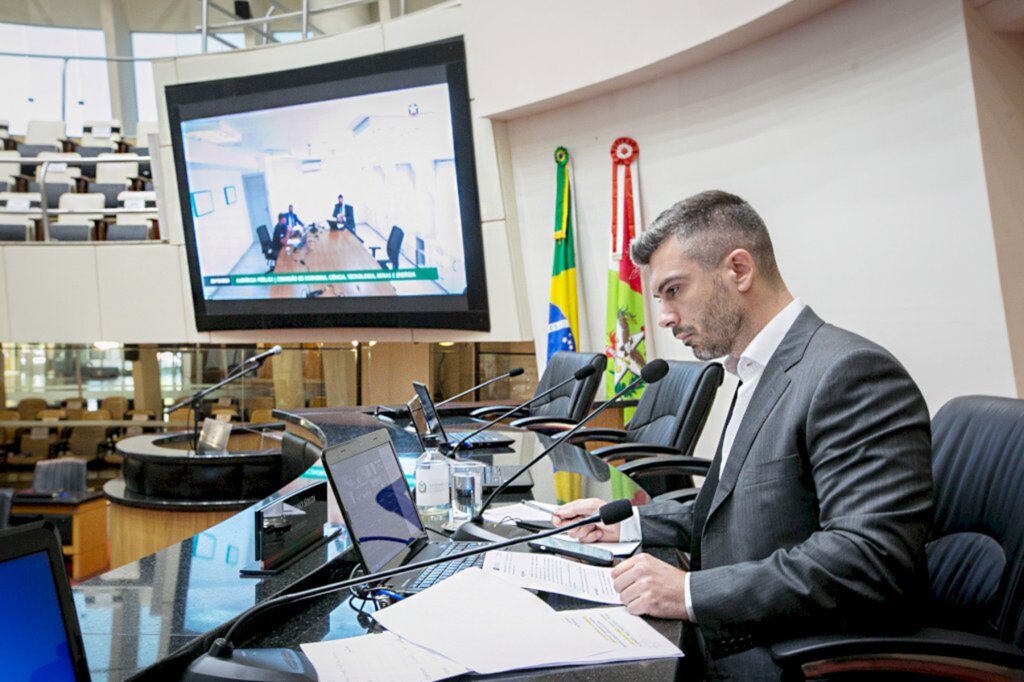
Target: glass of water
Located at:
point(467, 478)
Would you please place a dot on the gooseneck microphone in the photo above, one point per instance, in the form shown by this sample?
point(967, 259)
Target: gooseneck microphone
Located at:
point(514, 372)
point(224, 662)
point(579, 375)
point(258, 359)
point(652, 372)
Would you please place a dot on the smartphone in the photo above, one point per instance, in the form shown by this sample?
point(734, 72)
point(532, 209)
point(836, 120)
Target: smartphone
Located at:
point(534, 525)
point(577, 550)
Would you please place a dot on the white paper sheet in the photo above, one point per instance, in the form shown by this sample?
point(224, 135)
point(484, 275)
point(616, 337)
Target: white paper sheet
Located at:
point(631, 636)
point(489, 625)
point(384, 657)
point(553, 574)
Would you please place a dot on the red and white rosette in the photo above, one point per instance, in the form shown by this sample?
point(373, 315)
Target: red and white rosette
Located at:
point(624, 192)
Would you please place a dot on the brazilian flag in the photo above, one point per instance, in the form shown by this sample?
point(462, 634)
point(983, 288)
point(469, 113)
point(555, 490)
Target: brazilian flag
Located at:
point(563, 315)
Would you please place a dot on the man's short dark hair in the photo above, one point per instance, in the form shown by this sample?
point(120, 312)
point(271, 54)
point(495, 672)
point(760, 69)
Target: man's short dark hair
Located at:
point(713, 223)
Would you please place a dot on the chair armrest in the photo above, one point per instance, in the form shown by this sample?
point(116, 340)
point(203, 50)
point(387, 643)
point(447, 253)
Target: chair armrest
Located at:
point(668, 464)
point(927, 652)
point(681, 495)
point(543, 423)
point(492, 411)
point(607, 435)
point(632, 451)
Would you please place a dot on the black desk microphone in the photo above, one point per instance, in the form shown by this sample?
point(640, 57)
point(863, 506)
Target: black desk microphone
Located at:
point(514, 372)
point(652, 372)
point(579, 375)
point(224, 662)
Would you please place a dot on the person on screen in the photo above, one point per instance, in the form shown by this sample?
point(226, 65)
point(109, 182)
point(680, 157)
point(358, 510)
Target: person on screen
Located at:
point(344, 216)
point(278, 239)
point(293, 219)
point(817, 505)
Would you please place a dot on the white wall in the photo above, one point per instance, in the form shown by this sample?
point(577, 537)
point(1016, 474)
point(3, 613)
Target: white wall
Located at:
point(855, 136)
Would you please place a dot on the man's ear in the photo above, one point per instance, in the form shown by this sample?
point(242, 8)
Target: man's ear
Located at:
point(739, 265)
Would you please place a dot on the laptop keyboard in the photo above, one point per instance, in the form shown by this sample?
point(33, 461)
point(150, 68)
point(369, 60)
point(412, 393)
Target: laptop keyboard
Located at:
point(435, 574)
point(482, 438)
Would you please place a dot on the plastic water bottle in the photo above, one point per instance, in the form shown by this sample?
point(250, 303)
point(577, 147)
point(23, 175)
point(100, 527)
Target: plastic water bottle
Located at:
point(433, 495)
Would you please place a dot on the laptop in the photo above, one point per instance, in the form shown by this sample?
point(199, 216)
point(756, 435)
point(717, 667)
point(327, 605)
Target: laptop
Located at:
point(428, 429)
point(39, 630)
point(380, 514)
point(432, 425)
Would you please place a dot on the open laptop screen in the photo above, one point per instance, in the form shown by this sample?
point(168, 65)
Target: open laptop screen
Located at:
point(375, 500)
point(430, 416)
point(35, 640)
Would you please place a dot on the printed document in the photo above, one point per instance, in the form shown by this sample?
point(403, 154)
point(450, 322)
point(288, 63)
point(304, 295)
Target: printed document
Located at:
point(553, 574)
point(384, 657)
point(489, 625)
point(542, 511)
point(631, 636)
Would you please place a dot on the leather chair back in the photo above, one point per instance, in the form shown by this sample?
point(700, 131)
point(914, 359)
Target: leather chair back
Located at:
point(6, 495)
point(573, 400)
point(55, 475)
point(976, 556)
point(674, 410)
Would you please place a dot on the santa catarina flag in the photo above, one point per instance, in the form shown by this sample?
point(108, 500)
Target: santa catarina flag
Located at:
point(624, 323)
point(563, 316)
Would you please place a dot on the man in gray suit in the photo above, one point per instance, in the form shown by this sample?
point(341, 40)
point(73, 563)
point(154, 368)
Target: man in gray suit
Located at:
point(817, 505)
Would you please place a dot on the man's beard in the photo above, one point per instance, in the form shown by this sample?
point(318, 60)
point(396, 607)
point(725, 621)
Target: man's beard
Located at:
point(719, 325)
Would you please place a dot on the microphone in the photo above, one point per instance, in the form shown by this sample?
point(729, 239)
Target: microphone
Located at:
point(514, 372)
point(224, 662)
point(579, 375)
point(652, 372)
point(258, 359)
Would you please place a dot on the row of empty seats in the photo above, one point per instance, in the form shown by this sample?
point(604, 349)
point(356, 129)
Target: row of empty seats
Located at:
point(18, 223)
point(97, 137)
point(113, 173)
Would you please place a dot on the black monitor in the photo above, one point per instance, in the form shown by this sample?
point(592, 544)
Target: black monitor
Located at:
point(333, 195)
point(39, 633)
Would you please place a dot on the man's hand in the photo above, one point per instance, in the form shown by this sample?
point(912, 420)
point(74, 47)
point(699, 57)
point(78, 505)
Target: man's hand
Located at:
point(650, 587)
point(594, 532)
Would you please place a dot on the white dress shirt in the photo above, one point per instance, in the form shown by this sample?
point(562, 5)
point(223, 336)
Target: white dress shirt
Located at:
point(748, 367)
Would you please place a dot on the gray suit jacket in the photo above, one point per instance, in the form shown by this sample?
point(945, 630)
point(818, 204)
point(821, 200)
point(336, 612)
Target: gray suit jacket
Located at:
point(820, 518)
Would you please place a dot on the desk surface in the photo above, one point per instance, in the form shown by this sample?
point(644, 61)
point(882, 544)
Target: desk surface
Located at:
point(329, 251)
point(151, 617)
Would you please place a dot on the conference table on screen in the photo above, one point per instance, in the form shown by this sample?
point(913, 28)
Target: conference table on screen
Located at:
point(150, 618)
point(324, 250)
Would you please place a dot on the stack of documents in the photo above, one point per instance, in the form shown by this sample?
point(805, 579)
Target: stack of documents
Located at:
point(490, 626)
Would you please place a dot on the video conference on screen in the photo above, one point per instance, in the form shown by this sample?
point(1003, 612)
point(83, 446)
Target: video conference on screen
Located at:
point(347, 197)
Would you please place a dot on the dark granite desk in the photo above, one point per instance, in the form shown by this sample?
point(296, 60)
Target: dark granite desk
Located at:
point(150, 618)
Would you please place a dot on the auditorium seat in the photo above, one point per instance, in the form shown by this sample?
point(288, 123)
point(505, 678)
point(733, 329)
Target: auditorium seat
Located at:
point(60, 176)
point(18, 226)
point(85, 441)
point(99, 137)
point(133, 226)
point(10, 169)
point(262, 416)
point(28, 408)
point(6, 495)
point(78, 227)
point(56, 475)
point(112, 178)
point(42, 136)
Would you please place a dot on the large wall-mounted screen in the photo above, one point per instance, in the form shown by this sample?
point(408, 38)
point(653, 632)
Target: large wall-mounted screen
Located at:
point(340, 195)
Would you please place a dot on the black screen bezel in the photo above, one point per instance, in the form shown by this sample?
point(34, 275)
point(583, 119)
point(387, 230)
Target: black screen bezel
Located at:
point(469, 312)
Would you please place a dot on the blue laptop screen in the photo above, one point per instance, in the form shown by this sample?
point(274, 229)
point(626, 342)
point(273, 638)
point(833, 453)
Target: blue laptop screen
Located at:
point(382, 516)
point(34, 642)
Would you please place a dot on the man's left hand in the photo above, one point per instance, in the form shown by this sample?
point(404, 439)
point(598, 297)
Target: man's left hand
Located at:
point(650, 587)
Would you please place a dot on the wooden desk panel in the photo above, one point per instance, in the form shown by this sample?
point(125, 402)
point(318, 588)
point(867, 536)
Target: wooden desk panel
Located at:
point(325, 251)
point(88, 547)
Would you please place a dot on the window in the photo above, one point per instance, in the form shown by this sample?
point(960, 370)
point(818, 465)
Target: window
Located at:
point(159, 45)
point(32, 85)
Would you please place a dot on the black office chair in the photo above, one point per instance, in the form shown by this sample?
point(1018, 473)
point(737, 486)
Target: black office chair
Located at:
point(669, 416)
point(563, 407)
point(973, 626)
point(393, 248)
point(6, 495)
point(269, 249)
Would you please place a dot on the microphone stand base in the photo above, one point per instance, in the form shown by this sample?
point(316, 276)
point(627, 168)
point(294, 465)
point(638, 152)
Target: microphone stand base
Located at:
point(471, 531)
point(256, 665)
